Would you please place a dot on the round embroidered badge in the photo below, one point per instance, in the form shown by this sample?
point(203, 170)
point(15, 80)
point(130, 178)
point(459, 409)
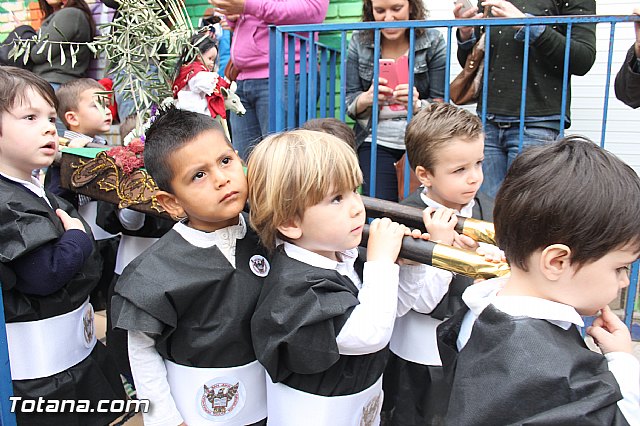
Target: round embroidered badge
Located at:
point(259, 265)
point(221, 399)
point(88, 326)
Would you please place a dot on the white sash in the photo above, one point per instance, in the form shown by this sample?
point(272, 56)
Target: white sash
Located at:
point(291, 407)
point(129, 248)
point(414, 338)
point(46, 347)
point(89, 212)
point(234, 396)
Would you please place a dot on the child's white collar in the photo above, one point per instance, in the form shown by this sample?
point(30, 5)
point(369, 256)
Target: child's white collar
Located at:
point(310, 258)
point(221, 237)
point(478, 296)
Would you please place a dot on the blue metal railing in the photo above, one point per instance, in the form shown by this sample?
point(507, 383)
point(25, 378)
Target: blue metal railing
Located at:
point(7, 418)
point(313, 65)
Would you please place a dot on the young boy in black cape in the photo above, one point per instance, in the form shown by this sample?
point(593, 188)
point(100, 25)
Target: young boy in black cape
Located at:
point(324, 318)
point(445, 147)
point(50, 266)
point(187, 301)
point(566, 217)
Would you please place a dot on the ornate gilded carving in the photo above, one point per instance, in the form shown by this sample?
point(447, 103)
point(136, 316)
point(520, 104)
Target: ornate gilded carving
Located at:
point(136, 188)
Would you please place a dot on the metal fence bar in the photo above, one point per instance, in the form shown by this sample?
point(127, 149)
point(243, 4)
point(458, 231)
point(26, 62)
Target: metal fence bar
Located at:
point(332, 82)
point(523, 89)
point(323, 82)
point(313, 79)
point(412, 61)
point(302, 102)
point(291, 82)
point(565, 79)
point(374, 115)
point(632, 292)
point(485, 75)
point(343, 74)
point(7, 418)
point(605, 108)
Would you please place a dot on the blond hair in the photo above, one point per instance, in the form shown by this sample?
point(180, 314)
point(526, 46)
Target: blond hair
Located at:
point(291, 171)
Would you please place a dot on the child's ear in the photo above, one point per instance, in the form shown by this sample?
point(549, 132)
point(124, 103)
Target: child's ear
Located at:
point(424, 176)
point(555, 260)
point(72, 118)
point(291, 229)
point(170, 204)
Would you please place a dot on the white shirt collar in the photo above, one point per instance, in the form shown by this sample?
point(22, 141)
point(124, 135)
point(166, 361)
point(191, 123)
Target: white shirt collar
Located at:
point(317, 260)
point(479, 296)
point(70, 134)
point(466, 211)
point(32, 185)
point(344, 267)
point(225, 239)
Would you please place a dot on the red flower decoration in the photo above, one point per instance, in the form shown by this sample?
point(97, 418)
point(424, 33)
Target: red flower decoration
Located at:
point(130, 157)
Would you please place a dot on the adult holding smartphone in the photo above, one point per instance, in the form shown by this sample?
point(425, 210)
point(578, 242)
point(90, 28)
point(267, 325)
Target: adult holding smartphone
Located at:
point(545, 76)
point(250, 20)
point(429, 77)
point(627, 84)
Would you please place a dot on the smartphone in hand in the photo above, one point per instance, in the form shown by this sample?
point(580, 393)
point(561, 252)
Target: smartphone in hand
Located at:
point(388, 72)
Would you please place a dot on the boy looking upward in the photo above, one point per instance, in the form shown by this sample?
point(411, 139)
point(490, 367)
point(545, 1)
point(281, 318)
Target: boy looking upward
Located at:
point(566, 218)
point(187, 300)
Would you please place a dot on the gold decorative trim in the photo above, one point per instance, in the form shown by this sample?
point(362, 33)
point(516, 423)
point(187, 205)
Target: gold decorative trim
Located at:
point(135, 189)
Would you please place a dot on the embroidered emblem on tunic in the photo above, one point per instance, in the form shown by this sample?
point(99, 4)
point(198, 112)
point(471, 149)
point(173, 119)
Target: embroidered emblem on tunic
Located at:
point(370, 411)
point(221, 399)
point(259, 265)
point(88, 326)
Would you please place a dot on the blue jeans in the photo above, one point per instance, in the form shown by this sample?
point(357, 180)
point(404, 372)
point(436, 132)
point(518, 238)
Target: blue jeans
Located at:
point(386, 177)
point(249, 129)
point(501, 143)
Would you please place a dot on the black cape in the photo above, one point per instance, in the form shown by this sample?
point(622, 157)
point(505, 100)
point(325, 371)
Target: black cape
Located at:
point(299, 315)
point(452, 300)
point(520, 370)
point(27, 222)
point(193, 300)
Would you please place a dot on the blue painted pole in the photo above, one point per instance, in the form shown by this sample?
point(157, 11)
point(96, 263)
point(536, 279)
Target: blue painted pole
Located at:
point(6, 388)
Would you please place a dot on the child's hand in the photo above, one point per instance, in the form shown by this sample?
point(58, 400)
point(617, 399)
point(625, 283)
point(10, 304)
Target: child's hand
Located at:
point(609, 333)
point(385, 240)
point(78, 142)
point(69, 222)
point(440, 224)
point(464, 242)
point(418, 235)
point(491, 253)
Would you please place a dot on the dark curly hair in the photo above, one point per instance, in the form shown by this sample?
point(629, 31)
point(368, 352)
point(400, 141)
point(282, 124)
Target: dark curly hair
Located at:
point(417, 12)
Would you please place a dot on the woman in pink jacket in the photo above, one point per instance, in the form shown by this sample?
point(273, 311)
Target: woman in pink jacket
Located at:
point(250, 20)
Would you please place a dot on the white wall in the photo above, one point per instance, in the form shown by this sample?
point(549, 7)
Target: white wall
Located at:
point(588, 91)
